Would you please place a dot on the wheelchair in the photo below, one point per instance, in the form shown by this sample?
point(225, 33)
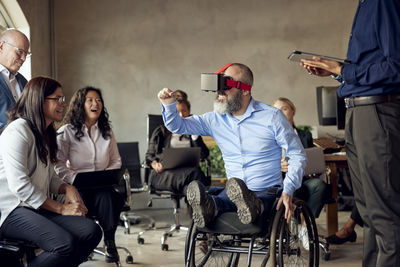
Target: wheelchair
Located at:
point(269, 241)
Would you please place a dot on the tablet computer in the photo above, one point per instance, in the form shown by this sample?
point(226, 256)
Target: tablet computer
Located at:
point(298, 55)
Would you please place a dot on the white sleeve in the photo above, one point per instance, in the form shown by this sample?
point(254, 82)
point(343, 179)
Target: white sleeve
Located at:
point(61, 168)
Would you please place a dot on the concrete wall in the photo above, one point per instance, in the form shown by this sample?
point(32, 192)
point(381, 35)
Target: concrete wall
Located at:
point(133, 48)
point(37, 12)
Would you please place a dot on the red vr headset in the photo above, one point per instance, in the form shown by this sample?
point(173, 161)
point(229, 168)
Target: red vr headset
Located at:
point(213, 82)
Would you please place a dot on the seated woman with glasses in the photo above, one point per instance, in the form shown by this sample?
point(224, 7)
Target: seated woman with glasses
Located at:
point(86, 144)
point(176, 179)
point(27, 157)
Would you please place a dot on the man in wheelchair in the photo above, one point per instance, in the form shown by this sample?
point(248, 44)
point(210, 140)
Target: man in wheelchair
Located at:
point(251, 136)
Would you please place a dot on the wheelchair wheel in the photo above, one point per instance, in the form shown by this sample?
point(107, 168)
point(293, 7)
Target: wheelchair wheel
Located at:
point(292, 243)
point(200, 249)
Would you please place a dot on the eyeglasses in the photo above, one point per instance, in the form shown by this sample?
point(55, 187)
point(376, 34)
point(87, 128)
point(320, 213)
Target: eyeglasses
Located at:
point(20, 52)
point(60, 100)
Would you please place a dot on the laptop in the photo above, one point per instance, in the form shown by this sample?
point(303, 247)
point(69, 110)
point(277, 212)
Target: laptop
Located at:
point(97, 179)
point(315, 161)
point(181, 157)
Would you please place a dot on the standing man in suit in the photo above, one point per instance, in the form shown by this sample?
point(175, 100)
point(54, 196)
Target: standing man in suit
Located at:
point(370, 84)
point(14, 47)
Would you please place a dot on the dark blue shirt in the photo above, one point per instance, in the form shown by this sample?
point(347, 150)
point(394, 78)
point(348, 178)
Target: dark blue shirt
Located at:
point(374, 50)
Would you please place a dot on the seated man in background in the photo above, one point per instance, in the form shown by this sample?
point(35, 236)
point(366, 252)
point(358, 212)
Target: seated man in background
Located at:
point(251, 136)
point(86, 143)
point(176, 179)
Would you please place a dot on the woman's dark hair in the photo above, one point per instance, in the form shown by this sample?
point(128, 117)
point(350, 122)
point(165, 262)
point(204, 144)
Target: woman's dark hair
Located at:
point(30, 108)
point(76, 115)
point(181, 98)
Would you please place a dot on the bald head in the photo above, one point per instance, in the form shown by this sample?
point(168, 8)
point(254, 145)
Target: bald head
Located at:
point(14, 47)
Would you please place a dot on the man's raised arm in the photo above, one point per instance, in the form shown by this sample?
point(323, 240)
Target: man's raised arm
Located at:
point(166, 96)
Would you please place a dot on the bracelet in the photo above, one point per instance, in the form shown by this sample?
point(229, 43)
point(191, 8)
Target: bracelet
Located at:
point(338, 78)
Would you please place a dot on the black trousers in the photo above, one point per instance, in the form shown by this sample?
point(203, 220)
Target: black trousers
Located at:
point(355, 215)
point(65, 240)
point(105, 205)
point(373, 155)
point(176, 180)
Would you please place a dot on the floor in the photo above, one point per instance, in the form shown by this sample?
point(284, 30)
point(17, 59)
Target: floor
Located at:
point(150, 253)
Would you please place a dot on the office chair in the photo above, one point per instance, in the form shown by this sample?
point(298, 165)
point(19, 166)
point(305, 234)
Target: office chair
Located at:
point(15, 252)
point(153, 121)
point(129, 152)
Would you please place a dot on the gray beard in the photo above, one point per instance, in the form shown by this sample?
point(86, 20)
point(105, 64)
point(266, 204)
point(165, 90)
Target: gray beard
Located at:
point(230, 106)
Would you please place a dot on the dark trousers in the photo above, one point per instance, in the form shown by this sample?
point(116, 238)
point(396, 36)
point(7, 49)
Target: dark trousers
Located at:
point(176, 180)
point(355, 215)
point(314, 192)
point(373, 155)
point(65, 240)
point(105, 205)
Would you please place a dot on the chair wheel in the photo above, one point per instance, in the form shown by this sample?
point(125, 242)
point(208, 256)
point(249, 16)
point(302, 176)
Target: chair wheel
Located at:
point(326, 256)
point(164, 247)
point(127, 231)
point(169, 234)
point(129, 259)
point(140, 240)
point(151, 225)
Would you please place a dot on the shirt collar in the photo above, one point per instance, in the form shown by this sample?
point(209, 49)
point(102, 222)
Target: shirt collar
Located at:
point(96, 126)
point(252, 107)
point(8, 73)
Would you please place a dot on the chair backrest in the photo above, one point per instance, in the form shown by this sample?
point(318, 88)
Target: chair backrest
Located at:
point(315, 161)
point(153, 121)
point(129, 152)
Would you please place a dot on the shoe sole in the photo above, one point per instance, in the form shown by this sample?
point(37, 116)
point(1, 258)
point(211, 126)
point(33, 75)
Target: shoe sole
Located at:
point(236, 193)
point(194, 197)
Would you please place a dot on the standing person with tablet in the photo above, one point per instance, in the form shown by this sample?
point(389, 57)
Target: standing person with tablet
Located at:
point(27, 156)
point(175, 179)
point(87, 144)
point(370, 84)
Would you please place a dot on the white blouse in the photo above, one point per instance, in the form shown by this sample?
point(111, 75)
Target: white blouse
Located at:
point(91, 153)
point(24, 179)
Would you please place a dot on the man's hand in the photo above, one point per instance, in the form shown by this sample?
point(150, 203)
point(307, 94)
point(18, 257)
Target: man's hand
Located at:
point(321, 67)
point(289, 208)
point(157, 166)
point(166, 96)
point(284, 165)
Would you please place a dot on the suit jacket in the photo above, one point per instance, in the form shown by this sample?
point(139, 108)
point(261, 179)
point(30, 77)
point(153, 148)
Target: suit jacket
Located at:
point(6, 99)
point(24, 179)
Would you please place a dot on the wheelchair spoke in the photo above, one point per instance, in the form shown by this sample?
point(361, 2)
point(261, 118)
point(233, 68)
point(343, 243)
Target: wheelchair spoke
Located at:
point(298, 244)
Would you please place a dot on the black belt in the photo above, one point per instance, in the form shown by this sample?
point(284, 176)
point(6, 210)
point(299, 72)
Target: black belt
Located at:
point(351, 102)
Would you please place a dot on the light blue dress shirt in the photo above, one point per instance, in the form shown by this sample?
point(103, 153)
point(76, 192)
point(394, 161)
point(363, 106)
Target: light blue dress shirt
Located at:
point(251, 146)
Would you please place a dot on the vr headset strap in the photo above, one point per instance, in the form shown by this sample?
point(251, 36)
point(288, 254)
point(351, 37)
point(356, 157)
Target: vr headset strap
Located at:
point(239, 85)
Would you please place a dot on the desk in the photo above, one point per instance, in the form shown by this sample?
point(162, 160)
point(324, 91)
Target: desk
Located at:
point(334, 162)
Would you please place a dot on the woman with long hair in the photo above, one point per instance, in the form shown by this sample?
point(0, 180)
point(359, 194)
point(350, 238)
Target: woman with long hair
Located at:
point(87, 144)
point(27, 157)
